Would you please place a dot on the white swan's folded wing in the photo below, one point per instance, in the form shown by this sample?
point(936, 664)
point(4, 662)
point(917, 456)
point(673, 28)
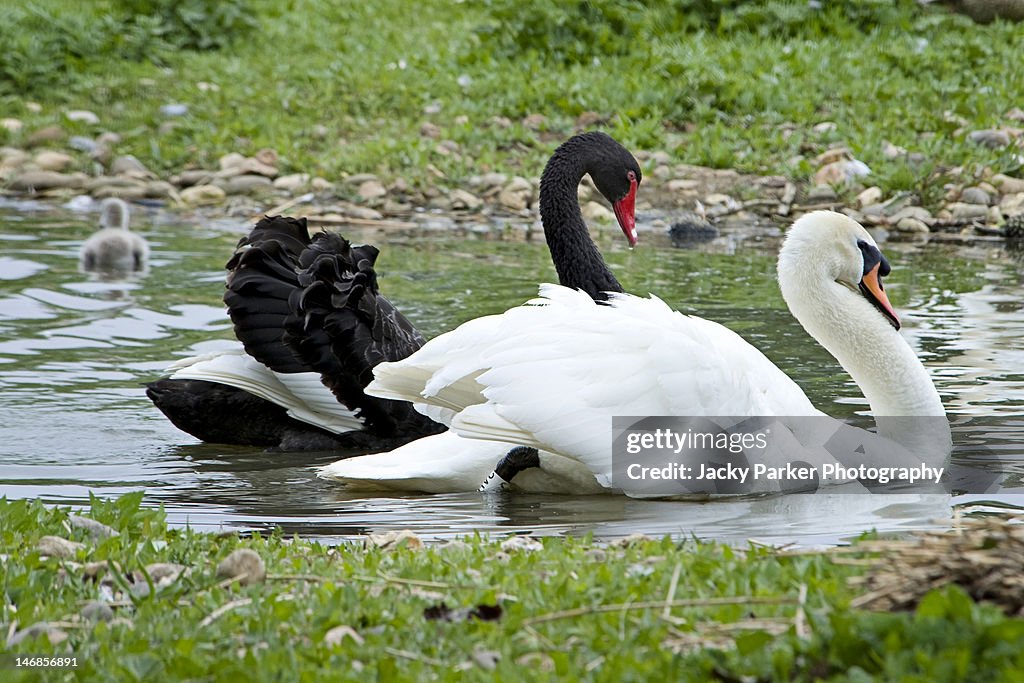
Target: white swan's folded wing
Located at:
point(552, 373)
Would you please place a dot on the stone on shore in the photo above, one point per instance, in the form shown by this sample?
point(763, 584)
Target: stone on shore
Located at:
point(82, 116)
point(462, 199)
point(49, 160)
point(517, 194)
point(245, 184)
point(38, 181)
point(202, 195)
point(130, 167)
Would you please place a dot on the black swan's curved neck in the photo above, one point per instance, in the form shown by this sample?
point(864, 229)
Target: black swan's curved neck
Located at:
point(577, 260)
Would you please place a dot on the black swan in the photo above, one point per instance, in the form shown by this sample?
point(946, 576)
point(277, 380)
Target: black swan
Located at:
point(311, 308)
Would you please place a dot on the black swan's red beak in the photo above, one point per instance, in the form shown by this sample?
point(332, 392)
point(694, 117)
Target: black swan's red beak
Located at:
point(625, 212)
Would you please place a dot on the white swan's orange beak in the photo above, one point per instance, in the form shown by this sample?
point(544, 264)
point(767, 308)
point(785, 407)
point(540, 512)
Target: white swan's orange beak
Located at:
point(871, 288)
point(625, 213)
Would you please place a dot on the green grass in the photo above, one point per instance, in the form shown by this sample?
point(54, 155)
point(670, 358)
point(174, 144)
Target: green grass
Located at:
point(571, 608)
point(713, 83)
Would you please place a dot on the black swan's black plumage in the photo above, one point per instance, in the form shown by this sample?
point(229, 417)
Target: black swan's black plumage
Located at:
point(303, 304)
point(343, 329)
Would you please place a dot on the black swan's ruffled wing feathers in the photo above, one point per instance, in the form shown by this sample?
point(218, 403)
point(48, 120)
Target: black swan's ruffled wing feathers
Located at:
point(302, 304)
point(262, 276)
point(342, 327)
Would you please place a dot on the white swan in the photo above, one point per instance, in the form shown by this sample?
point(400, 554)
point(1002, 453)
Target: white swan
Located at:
point(551, 374)
point(114, 247)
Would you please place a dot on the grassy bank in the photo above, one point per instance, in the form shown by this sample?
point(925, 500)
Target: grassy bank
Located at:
point(342, 88)
point(644, 610)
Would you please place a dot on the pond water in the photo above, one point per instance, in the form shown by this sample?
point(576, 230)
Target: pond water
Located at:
point(75, 352)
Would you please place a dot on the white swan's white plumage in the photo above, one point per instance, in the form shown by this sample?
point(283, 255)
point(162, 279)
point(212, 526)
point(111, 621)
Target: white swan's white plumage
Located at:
point(302, 394)
point(552, 373)
point(114, 247)
point(446, 463)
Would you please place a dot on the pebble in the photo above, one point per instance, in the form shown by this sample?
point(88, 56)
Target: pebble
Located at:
point(962, 211)
point(394, 539)
point(48, 160)
point(872, 195)
point(82, 144)
point(717, 198)
point(832, 155)
point(523, 543)
point(598, 213)
point(360, 178)
point(1008, 184)
point(990, 137)
point(248, 166)
point(844, 171)
point(364, 212)
point(372, 189)
point(430, 130)
point(97, 610)
point(159, 189)
point(82, 116)
point(246, 184)
point(292, 182)
point(243, 564)
point(130, 167)
point(11, 156)
point(164, 573)
point(34, 107)
point(108, 138)
point(517, 194)
point(11, 125)
point(661, 158)
point(975, 195)
point(461, 199)
point(824, 127)
point(916, 212)
point(319, 184)
point(534, 121)
point(55, 546)
point(174, 109)
point(192, 177)
point(337, 635)
point(663, 172)
point(128, 191)
point(231, 160)
point(994, 216)
point(891, 151)
point(202, 195)
point(821, 193)
point(45, 135)
point(266, 156)
point(682, 185)
point(489, 180)
point(37, 181)
point(589, 119)
point(911, 225)
point(1012, 203)
point(95, 529)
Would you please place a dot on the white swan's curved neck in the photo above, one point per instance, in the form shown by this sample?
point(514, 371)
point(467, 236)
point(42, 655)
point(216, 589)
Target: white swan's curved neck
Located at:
point(878, 358)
